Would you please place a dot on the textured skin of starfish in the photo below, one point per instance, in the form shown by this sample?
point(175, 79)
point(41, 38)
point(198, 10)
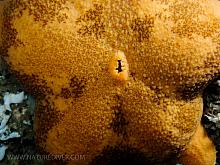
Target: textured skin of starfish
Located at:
point(116, 80)
point(195, 149)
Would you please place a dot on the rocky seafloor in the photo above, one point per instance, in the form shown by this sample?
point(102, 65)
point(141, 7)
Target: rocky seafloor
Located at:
point(17, 145)
point(211, 113)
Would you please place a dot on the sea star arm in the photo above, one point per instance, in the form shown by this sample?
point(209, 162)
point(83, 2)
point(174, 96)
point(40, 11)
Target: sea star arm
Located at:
point(200, 151)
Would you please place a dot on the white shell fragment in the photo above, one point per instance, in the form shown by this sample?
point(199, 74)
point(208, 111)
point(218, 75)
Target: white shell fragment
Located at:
point(8, 135)
point(2, 151)
point(3, 130)
point(4, 117)
point(214, 119)
point(26, 122)
point(12, 98)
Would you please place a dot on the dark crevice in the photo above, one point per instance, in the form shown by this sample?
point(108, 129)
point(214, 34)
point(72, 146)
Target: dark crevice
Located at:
point(119, 123)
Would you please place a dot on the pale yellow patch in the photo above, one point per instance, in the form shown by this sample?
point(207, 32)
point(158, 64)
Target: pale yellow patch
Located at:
point(118, 67)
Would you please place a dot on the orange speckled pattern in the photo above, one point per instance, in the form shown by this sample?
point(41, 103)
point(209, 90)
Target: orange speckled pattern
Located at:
point(61, 51)
point(194, 153)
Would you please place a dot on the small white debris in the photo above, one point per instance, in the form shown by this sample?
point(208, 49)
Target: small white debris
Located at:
point(6, 136)
point(2, 77)
point(215, 119)
point(2, 151)
point(3, 117)
point(27, 122)
point(4, 121)
point(13, 98)
point(3, 130)
point(218, 82)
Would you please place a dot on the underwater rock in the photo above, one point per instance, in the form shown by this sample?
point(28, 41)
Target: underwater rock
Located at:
point(64, 52)
point(210, 119)
point(5, 114)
